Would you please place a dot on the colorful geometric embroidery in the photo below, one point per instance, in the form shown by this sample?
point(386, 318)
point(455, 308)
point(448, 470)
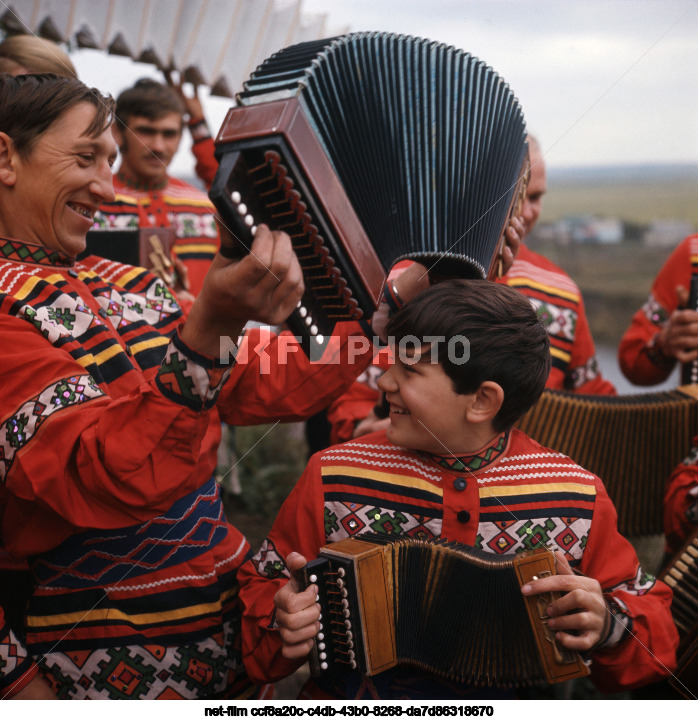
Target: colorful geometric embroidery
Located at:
point(199, 670)
point(654, 312)
point(20, 428)
point(559, 322)
point(14, 659)
point(269, 563)
point(30, 253)
point(65, 317)
point(577, 377)
point(92, 559)
point(476, 461)
point(122, 309)
point(514, 536)
point(190, 379)
point(350, 519)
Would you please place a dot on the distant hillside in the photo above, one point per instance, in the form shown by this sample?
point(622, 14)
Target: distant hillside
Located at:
point(635, 194)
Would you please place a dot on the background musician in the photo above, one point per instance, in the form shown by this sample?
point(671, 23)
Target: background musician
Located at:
point(556, 298)
point(448, 454)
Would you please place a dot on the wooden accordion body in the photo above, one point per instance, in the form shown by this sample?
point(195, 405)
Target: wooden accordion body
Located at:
point(451, 610)
point(366, 149)
point(681, 574)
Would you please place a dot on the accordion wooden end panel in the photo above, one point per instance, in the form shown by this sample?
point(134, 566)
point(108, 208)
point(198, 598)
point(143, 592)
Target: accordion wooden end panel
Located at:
point(452, 611)
point(558, 662)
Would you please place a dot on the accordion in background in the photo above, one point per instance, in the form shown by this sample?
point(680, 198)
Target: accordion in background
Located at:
point(446, 608)
point(149, 248)
point(681, 574)
point(367, 149)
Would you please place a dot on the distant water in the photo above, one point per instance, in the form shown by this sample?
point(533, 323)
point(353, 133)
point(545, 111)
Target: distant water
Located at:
point(608, 359)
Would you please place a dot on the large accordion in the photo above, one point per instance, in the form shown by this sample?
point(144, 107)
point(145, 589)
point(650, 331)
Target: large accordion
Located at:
point(366, 149)
point(448, 609)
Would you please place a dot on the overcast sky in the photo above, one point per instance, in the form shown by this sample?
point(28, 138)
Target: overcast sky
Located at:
point(601, 82)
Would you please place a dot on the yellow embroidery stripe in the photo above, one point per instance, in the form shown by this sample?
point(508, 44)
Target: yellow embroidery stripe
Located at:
point(108, 353)
point(561, 354)
point(128, 276)
point(196, 248)
point(147, 344)
point(391, 478)
point(545, 288)
point(141, 619)
point(27, 288)
point(539, 488)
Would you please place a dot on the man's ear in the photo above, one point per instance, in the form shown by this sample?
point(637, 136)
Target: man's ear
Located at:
point(8, 154)
point(487, 401)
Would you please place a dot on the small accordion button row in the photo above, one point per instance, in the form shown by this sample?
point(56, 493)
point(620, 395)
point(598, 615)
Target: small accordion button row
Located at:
point(320, 644)
point(241, 209)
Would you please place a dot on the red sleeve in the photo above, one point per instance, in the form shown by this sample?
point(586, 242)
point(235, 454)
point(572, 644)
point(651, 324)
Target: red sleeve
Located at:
point(203, 148)
point(74, 455)
point(278, 382)
point(17, 668)
point(640, 363)
point(584, 363)
point(647, 651)
point(349, 409)
point(358, 401)
point(298, 527)
point(681, 501)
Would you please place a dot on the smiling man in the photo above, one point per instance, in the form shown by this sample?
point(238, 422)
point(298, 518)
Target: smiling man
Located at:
point(148, 130)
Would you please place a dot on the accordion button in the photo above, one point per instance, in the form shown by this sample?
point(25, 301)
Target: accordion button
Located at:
point(459, 484)
point(463, 516)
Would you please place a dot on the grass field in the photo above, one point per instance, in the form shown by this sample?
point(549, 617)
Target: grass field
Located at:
point(640, 202)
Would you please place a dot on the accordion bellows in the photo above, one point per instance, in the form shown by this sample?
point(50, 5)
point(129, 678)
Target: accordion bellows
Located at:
point(428, 140)
point(426, 143)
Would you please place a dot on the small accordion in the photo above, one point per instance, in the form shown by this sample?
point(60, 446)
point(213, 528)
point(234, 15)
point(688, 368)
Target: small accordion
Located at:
point(366, 149)
point(149, 248)
point(681, 573)
point(448, 609)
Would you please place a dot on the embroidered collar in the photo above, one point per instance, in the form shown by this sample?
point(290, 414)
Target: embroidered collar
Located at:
point(477, 460)
point(22, 252)
point(138, 185)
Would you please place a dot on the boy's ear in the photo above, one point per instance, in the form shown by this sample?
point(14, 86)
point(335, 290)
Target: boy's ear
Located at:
point(487, 401)
point(8, 173)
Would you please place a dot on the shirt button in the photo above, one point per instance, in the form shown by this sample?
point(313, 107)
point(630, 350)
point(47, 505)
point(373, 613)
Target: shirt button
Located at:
point(459, 484)
point(103, 313)
point(73, 273)
point(463, 516)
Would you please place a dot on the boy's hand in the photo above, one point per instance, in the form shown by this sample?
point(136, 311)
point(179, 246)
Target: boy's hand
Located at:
point(297, 613)
point(580, 617)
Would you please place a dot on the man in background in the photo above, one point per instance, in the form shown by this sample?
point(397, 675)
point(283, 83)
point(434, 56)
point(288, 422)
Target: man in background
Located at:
point(148, 131)
point(558, 303)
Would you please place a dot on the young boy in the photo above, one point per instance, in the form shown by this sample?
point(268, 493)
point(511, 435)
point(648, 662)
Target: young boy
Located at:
point(471, 358)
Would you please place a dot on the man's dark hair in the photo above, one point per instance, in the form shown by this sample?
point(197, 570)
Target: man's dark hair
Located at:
point(30, 104)
point(508, 343)
point(147, 99)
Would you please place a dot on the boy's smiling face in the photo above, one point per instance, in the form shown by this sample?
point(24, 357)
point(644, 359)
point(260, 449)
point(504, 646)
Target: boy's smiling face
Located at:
point(426, 413)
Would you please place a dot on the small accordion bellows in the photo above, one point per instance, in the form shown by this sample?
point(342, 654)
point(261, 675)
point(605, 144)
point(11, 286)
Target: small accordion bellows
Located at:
point(370, 148)
point(631, 442)
point(449, 609)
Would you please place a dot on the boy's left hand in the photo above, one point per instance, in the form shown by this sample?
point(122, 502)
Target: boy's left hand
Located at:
point(581, 610)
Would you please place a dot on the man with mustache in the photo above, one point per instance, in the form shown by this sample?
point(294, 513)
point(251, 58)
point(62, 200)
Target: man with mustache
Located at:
point(148, 130)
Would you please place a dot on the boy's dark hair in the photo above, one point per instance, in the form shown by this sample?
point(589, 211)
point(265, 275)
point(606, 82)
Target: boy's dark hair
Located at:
point(147, 99)
point(508, 343)
point(30, 104)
